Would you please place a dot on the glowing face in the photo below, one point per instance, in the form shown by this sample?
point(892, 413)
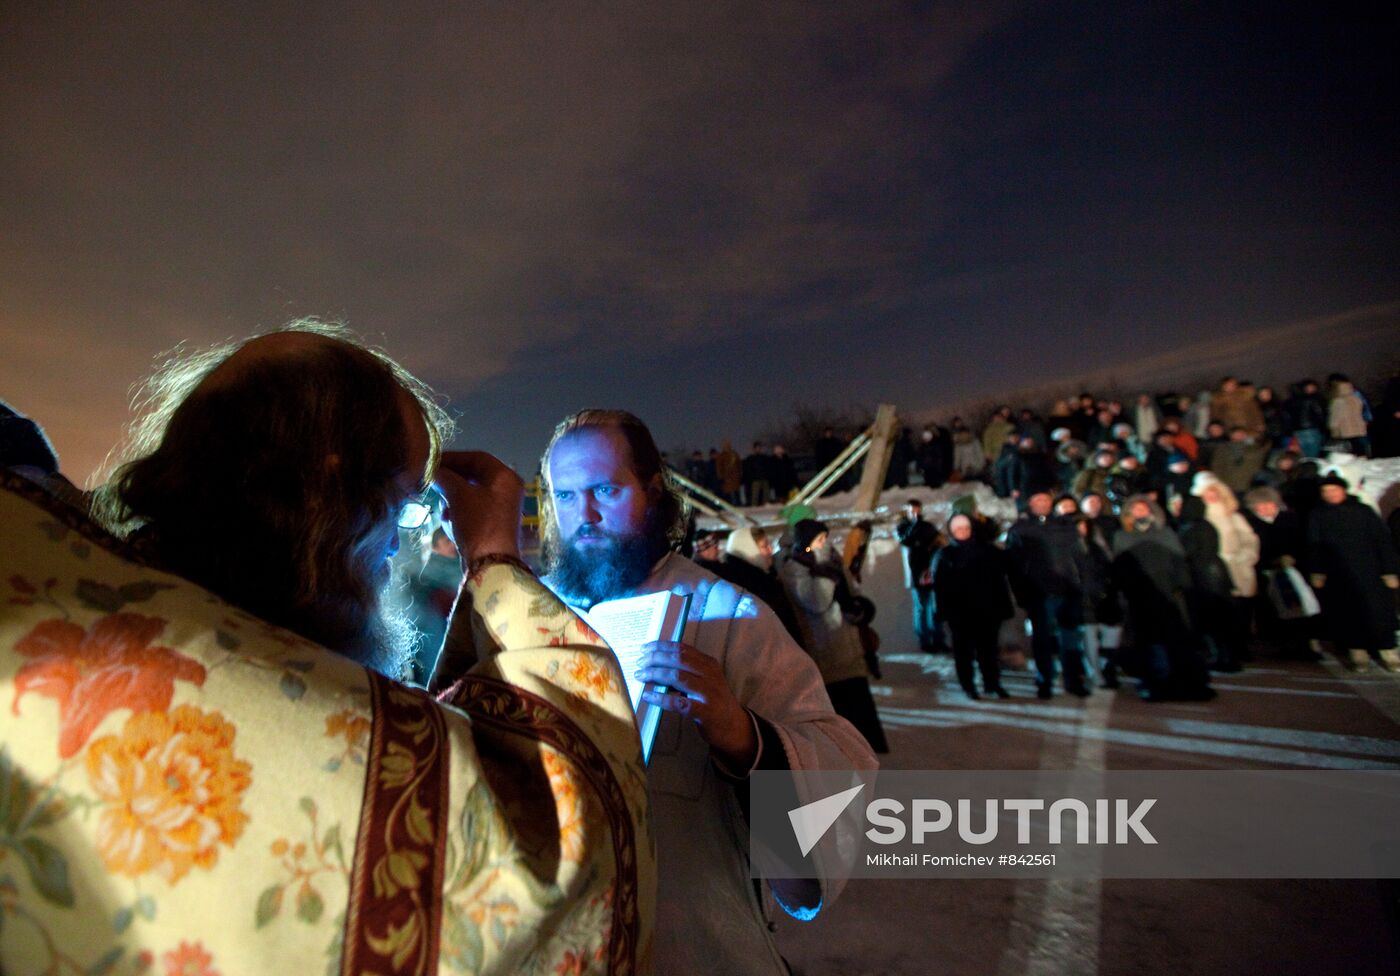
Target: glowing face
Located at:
point(1212, 496)
point(1267, 511)
point(413, 479)
point(960, 527)
point(1066, 506)
point(1334, 494)
point(596, 493)
point(1040, 504)
point(819, 543)
point(1092, 506)
point(1140, 510)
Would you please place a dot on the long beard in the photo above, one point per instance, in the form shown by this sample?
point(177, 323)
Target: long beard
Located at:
point(379, 635)
point(603, 572)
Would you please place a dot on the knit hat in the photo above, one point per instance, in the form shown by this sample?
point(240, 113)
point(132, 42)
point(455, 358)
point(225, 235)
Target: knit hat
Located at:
point(963, 505)
point(805, 531)
point(1333, 478)
point(1176, 457)
point(796, 512)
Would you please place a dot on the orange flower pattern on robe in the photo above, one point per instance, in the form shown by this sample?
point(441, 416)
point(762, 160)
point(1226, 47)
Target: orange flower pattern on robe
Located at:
point(568, 804)
point(90, 673)
point(174, 788)
point(189, 960)
point(593, 679)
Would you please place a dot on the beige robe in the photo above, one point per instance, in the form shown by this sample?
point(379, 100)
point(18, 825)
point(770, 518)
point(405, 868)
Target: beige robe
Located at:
point(709, 918)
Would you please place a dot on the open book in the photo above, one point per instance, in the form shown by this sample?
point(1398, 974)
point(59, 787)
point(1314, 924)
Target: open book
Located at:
point(628, 625)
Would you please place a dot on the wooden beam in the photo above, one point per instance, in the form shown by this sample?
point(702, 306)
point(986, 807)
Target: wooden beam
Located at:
point(872, 478)
point(839, 465)
point(708, 502)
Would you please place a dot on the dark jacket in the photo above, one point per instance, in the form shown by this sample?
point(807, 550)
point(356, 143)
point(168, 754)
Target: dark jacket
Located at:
point(1034, 472)
point(919, 539)
point(969, 583)
point(1041, 558)
point(1306, 411)
point(1283, 537)
point(763, 584)
point(1151, 571)
point(1349, 544)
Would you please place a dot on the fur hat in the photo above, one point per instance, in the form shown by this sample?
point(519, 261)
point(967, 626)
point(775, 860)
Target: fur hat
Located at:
point(804, 532)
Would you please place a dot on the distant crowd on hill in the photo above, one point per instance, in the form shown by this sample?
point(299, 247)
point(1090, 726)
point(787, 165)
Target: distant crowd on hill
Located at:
point(1246, 435)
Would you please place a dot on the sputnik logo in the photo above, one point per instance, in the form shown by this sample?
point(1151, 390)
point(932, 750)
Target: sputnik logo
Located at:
point(811, 821)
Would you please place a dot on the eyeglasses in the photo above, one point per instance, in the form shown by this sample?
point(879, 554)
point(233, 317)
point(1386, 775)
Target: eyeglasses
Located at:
point(415, 513)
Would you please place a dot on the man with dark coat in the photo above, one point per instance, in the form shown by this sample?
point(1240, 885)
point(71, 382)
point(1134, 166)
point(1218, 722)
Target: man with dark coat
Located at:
point(1307, 417)
point(1281, 543)
point(969, 581)
point(1033, 472)
point(1149, 566)
point(920, 540)
point(1356, 572)
point(1208, 597)
point(1042, 559)
point(757, 466)
point(1004, 467)
point(934, 455)
point(782, 473)
point(901, 454)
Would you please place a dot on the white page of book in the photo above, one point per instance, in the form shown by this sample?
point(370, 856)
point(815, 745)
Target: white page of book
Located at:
point(628, 625)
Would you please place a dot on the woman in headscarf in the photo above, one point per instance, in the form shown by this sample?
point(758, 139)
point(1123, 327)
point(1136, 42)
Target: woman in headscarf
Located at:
point(821, 594)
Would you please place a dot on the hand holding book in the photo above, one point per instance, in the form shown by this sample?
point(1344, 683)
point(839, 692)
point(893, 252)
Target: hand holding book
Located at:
point(695, 687)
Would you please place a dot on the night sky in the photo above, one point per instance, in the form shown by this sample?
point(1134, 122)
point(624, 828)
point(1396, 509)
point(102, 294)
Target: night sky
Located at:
point(702, 212)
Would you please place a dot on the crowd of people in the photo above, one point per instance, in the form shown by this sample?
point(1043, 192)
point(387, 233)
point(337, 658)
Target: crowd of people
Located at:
point(1167, 538)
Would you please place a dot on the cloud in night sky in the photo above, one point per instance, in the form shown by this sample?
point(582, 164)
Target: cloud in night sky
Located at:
point(702, 212)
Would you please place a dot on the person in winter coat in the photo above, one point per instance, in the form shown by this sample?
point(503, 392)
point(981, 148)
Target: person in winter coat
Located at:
point(1355, 571)
point(1184, 440)
point(1307, 417)
point(1208, 599)
point(1149, 567)
point(1181, 474)
point(1239, 459)
point(1147, 418)
point(1070, 458)
point(969, 579)
point(820, 592)
point(983, 528)
point(1281, 542)
point(1238, 549)
point(1034, 472)
point(1101, 633)
point(994, 435)
point(1005, 468)
point(1195, 415)
point(968, 459)
point(919, 540)
point(729, 472)
point(747, 562)
point(1041, 559)
point(782, 473)
point(901, 455)
point(1094, 478)
point(934, 455)
point(1234, 405)
point(1275, 417)
point(1346, 418)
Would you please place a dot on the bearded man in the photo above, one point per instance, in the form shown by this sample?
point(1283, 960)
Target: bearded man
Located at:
point(276, 473)
point(741, 695)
